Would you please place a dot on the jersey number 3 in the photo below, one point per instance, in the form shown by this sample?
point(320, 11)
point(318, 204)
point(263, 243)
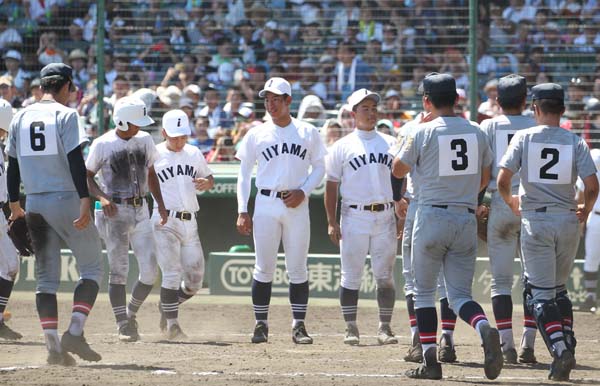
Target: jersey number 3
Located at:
point(550, 163)
point(458, 155)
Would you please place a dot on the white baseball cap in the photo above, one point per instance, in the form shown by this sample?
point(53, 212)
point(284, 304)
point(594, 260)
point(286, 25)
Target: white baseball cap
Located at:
point(360, 95)
point(6, 114)
point(176, 123)
point(277, 86)
point(133, 110)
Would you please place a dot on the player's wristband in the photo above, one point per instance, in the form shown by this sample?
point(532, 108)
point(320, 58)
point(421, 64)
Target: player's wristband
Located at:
point(13, 177)
point(397, 187)
point(481, 196)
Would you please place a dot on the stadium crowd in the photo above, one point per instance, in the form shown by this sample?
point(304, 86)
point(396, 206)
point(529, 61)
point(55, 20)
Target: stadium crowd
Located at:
point(210, 57)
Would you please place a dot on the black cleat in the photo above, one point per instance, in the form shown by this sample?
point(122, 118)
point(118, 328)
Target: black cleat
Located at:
point(385, 335)
point(128, 332)
point(446, 351)
point(78, 345)
point(510, 356)
point(60, 358)
point(415, 351)
point(261, 333)
point(527, 355)
point(8, 333)
point(493, 361)
point(352, 337)
point(589, 305)
point(163, 319)
point(299, 334)
point(431, 369)
point(561, 367)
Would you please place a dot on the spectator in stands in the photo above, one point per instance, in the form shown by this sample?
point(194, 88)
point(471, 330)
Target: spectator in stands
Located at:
point(311, 39)
point(8, 91)
point(352, 72)
point(349, 11)
point(75, 39)
point(392, 109)
point(345, 119)
point(518, 11)
point(36, 93)
point(311, 110)
point(245, 43)
point(409, 87)
point(232, 105)
point(391, 46)
point(177, 39)
point(385, 126)
point(224, 150)
point(368, 27)
point(269, 38)
point(225, 62)
point(201, 139)
point(48, 51)
point(12, 62)
point(327, 78)
point(490, 107)
point(9, 37)
point(213, 110)
point(486, 64)
point(332, 130)
point(41, 11)
point(78, 60)
point(591, 126)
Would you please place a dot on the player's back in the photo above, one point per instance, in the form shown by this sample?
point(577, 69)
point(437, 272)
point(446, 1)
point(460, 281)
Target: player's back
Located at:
point(451, 152)
point(41, 136)
point(500, 131)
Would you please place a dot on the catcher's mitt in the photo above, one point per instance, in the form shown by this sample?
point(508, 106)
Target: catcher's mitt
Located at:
point(482, 222)
point(19, 234)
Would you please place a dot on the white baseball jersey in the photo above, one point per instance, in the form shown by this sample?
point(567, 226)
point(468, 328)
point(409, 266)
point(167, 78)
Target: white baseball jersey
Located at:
point(40, 137)
point(123, 164)
point(360, 161)
point(283, 154)
point(3, 190)
point(176, 172)
point(500, 131)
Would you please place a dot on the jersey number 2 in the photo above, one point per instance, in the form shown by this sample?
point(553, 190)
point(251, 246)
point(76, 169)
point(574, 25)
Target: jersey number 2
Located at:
point(461, 153)
point(36, 136)
point(554, 154)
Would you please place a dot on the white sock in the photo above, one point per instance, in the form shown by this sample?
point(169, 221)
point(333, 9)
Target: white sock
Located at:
point(559, 347)
point(264, 321)
point(296, 321)
point(506, 339)
point(77, 322)
point(413, 331)
point(528, 338)
point(381, 324)
point(427, 347)
point(171, 322)
point(52, 340)
point(478, 327)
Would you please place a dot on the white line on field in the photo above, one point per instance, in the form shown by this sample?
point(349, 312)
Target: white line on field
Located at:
point(15, 368)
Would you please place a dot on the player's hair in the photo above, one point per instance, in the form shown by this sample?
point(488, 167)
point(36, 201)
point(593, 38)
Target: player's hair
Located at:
point(512, 103)
point(443, 100)
point(550, 106)
point(53, 84)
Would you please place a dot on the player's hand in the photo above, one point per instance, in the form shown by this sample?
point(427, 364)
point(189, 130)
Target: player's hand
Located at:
point(202, 184)
point(514, 205)
point(293, 198)
point(163, 213)
point(482, 211)
point(85, 215)
point(334, 232)
point(581, 213)
point(244, 224)
point(400, 228)
point(427, 118)
point(400, 208)
point(108, 207)
point(15, 211)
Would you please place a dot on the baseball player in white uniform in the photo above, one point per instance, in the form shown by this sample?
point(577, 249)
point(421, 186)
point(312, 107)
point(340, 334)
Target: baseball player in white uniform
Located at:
point(45, 154)
point(9, 261)
point(504, 228)
point(291, 162)
point(452, 159)
point(549, 160)
point(125, 159)
point(368, 223)
point(592, 254)
point(182, 170)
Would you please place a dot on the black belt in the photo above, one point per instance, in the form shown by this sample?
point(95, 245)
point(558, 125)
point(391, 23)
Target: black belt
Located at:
point(374, 207)
point(184, 216)
point(446, 207)
point(133, 201)
point(598, 213)
point(544, 209)
point(267, 192)
point(2, 204)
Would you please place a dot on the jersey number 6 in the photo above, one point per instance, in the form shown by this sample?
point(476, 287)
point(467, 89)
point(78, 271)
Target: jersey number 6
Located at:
point(36, 136)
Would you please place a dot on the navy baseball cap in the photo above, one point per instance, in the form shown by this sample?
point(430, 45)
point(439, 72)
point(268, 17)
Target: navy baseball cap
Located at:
point(548, 91)
point(511, 86)
point(57, 69)
point(439, 84)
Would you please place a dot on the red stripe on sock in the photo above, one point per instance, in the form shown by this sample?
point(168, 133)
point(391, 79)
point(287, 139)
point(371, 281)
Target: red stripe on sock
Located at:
point(427, 338)
point(567, 321)
point(49, 323)
point(476, 319)
point(552, 327)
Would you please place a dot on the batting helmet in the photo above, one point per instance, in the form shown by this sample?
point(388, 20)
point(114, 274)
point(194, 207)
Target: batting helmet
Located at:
point(6, 114)
point(131, 110)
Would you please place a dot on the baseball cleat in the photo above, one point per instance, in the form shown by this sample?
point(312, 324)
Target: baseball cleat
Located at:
point(175, 333)
point(163, 319)
point(128, 332)
point(446, 351)
point(60, 358)
point(352, 336)
point(8, 333)
point(493, 361)
point(527, 355)
point(561, 367)
point(431, 369)
point(510, 356)
point(261, 333)
point(299, 334)
point(385, 335)
point(78, 345)
point(415, 351)
point(588, 305)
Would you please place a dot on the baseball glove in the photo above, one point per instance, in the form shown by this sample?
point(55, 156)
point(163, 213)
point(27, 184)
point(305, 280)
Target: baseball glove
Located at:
point(482, 222)
point(19, 234)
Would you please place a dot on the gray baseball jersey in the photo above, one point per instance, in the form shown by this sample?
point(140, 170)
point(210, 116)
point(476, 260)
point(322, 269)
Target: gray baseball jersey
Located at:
point(500, 131)
point(3, 191)
point(123, 165)
point(449, 154)
point(40, 137)
point(550, 159)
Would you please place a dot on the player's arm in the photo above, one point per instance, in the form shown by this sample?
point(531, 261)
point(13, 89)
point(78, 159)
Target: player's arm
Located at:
point(154, 187)
point(108, 207)
point(204, 183)
point(505, 189)
point(399, 168)
point(331, 200)
point(590, 193)
point(244, 222)
point(13, 179)
point(400, 204)
point(79, 176)
point(486, 174)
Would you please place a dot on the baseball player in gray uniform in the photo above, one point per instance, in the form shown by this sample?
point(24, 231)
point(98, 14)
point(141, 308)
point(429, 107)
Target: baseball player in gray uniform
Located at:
point(368, 224)
point(548, 160)
point(44, 151)
point(504, 227)
point(125, 157)
point(182, 171)
point(453, 160)
point(285, 149)
point(9, 261)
